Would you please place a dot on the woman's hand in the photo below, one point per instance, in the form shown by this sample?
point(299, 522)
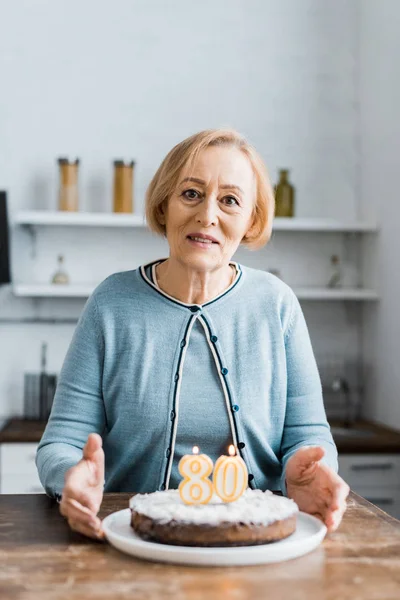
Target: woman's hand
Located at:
point(315, 487)
point(83, 490)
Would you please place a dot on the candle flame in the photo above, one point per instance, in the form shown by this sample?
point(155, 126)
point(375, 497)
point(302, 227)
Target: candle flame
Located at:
point(232, 450)
point(195, 450)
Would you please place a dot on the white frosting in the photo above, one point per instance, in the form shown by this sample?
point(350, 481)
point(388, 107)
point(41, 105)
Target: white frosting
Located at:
point(254, 507)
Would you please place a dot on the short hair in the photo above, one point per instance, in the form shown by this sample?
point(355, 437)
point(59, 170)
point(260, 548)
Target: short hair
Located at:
point(184, 154)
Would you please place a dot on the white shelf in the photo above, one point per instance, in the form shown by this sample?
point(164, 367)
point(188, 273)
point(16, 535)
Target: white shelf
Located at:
point(311, 293)
point(91, 219)
point(52, 291)
point(85, 219)
point(322, 225)
point(84, 291)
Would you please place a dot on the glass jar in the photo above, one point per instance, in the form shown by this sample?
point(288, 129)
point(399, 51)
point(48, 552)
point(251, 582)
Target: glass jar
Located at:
point(68, 195)
point(123, 186)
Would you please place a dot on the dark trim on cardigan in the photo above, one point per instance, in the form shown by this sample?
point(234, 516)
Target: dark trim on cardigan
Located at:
point(156, 289)
point(145, 277)
point(188, 306)
point(226, 382)
point(171, 436)
point(250, 483)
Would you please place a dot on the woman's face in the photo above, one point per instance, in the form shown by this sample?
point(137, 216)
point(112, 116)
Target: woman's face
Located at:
point(211, 208)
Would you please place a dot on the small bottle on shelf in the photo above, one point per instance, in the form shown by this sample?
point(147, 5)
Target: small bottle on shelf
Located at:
point(335, 279)
point(60, 276)
point(284, 195)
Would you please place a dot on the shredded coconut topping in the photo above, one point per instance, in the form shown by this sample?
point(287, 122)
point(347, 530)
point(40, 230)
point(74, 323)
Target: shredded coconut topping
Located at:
point(254, 507)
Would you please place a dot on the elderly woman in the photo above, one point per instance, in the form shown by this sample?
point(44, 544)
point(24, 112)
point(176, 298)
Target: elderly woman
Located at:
point(193, 348)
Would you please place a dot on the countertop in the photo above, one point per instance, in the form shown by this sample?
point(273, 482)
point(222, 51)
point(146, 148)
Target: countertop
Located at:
point(41, 558)
point(21, 431)
point(363, 438)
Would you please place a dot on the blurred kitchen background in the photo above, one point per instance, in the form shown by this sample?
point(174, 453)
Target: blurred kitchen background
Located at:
point(314, 84)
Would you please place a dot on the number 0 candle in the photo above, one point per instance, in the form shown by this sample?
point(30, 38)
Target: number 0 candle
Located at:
point(230, 476)
point(195, 468)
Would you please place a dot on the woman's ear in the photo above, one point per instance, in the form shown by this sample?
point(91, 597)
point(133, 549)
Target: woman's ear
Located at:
point(161, 213)
point(252, 229)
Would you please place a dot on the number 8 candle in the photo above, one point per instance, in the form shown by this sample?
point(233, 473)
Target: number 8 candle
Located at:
point(195, 468)
point(230, 476)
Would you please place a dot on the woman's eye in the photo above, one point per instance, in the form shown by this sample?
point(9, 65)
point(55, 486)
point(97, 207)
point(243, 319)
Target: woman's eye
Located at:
point(230, 200)
point(191, 194)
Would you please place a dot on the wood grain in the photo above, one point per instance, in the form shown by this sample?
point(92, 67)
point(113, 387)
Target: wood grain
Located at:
point(42, 559)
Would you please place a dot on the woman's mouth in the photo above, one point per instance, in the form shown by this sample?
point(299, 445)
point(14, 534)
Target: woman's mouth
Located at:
point(201, 242)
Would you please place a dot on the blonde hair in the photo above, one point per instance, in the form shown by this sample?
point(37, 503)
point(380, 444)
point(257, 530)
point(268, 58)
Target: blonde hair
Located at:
point(184, 154)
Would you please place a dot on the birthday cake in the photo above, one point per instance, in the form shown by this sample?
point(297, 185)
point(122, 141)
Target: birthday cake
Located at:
point(256, 517)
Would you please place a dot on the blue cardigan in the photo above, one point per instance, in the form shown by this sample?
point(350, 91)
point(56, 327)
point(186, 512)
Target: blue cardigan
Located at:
point(154, 376)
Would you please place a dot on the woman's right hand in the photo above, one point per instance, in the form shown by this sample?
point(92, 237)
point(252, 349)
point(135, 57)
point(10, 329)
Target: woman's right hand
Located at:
point(83, 490)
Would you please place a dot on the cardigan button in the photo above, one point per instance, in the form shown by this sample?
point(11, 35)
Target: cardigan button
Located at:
point(162, 487)
point(195, 309)
point(224, 371)
point(241, 445)
point(172, 415)
point(168, 452)
point(251, 476)
point(214, 339)
point(183, 343)
point(176, 377)
point(235, 407)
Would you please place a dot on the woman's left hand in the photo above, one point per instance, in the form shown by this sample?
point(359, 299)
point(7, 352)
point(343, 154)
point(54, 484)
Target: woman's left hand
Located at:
point(315, 487)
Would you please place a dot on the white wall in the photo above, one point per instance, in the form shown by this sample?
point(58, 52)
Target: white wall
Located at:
point(102, 80)
point(379, 187)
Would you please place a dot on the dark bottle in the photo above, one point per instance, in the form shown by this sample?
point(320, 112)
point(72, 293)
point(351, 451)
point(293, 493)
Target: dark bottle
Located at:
point(284, 196)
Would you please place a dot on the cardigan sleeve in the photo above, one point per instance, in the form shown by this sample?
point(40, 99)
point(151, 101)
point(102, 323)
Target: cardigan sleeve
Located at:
point(78, 407)
point(305, 418)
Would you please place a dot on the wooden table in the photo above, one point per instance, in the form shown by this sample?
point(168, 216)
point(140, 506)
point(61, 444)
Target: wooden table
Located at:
point(40, 558)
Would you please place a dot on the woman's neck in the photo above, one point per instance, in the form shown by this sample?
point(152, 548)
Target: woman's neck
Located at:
point(191, 286)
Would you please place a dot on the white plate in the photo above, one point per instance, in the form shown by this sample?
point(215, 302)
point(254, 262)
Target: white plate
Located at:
point(309, 534)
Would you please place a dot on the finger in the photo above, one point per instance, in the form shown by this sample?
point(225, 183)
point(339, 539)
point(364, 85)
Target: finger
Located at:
point(308, 455)
point(85, 520)
point(334, 518)
point(333, 521)
point(75, 511)
point(68, 502)
point(340, 492)
point(95, 532)
point(93, 444)
point(93, 454)
point(83, 497)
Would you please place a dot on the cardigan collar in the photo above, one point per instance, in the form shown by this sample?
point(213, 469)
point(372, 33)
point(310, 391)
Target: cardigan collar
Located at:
point(152, 282)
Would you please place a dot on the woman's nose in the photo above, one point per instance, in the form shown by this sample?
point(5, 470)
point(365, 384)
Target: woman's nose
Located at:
point(207, 213)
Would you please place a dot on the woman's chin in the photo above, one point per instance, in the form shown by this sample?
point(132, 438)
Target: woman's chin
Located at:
point(201, 260)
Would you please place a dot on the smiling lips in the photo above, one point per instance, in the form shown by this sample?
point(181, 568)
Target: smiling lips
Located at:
point(202, 238)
